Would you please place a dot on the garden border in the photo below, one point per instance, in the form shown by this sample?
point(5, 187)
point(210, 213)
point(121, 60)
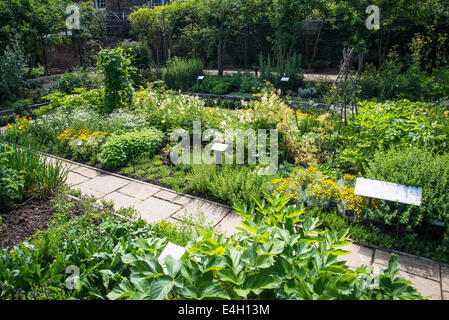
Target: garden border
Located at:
point(229, 207)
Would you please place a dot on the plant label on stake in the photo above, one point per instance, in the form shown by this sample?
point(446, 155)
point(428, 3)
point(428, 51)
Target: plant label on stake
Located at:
point(171, 250)
point(285, 79)
point(388, 191)
point(219, 148)
point(200, 78)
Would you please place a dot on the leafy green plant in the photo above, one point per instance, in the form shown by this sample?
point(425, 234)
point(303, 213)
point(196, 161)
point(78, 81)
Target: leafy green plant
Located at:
point(37, 72)
point(40, 175)
point(271, 258)
point(121, 148)
point(11, 181)
point(231, 183)
point(216, 85)
point(181, 74)
point(12, 69)
point(307, 92)
point(273, 72)
point(139, 53)
point(415, 167)
point(115, 67)
point(384, 125)
point(78, 78)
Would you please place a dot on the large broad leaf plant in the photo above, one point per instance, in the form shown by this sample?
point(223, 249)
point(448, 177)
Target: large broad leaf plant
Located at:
point(280, 253)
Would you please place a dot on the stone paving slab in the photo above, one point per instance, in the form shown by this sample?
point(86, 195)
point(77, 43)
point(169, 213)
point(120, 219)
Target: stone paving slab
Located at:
point(122, 200)
point(425, 286)
point(445, 278)
point(359, 255)
point(90, 192)
point(173, 197)
point(214, 212)
point(74, 179)
point(90, 173)
point(445, 295)
point(154, 209)
point(139, 190)
point(229, 224)
point(105, 183)
point(414, 265)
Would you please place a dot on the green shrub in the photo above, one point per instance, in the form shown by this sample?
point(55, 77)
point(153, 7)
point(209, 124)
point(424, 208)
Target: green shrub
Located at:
point(232, 183)
point(37, 72)
point(307, 92)
point(116, 69)
point(12, 71)
point(11, 181)
point(383, 125)
point(121, 148)
point(414, 167)
point(413, 84)
point(216, 85)
point(139, 53)
point(181, 74)
point(40, 176)
point(250, 83)
point(79, 78)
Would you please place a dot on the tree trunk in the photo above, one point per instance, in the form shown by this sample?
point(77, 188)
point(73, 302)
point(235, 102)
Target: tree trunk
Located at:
point(245, 51)
point(360, 66)
point(315, 47)
point(220, 56)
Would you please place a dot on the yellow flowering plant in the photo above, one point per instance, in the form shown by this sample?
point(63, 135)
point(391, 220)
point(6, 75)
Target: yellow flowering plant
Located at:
point(311, 188)
point(18, 127)
point(82, 143)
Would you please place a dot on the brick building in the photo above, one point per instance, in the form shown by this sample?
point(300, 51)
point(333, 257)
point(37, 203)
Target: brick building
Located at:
point(124, 6)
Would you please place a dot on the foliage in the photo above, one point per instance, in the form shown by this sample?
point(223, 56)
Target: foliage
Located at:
point(11, 181)
point(250, 83)
point(12, 69)
point(17, 128)
point(115, 67)
point(231, 183)
point(79, 78)
point(157, 170)
point(181, 74)
point(216, 85)
point(80, 98)
point(417, 167)
point(273, 72)
point(399, 124)
point(311, 188)
point(40, 176)
point(118, 259)
point(167, 111)
point(307, 92)
point(37, 72)
point(413, 84)
point(121, 148)
point(139, 53)
point(83, 144)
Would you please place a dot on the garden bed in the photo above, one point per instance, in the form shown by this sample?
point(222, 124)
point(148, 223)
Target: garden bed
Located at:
point(20, 223)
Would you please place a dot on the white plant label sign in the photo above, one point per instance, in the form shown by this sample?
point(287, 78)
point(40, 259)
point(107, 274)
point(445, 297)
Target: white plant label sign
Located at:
point(285, 79)
point(173, 250)
point(388, 191)
point(219, 147)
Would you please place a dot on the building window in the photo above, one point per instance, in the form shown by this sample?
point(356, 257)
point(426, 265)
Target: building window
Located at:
point(158, 3)
point(100, 4)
